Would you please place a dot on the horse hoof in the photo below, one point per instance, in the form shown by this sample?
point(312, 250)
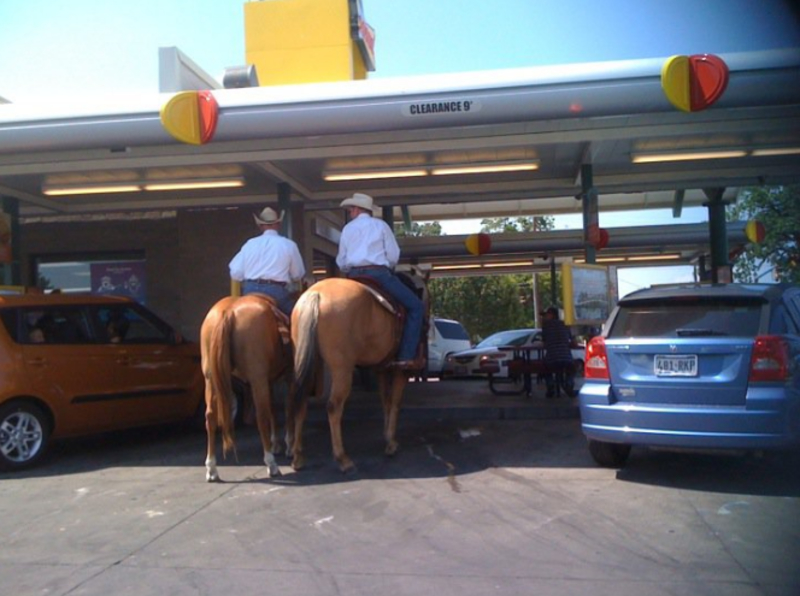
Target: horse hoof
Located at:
point(391, 449)
point(298, 463)
point(348, 468)
point(274, 472)
point(212, 478)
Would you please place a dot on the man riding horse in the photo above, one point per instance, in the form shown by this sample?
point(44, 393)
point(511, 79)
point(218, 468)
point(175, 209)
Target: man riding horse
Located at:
point(268, 263)
point(368, 248)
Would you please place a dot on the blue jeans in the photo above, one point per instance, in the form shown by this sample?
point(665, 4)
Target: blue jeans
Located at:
point(281, 295)
point(405, 296)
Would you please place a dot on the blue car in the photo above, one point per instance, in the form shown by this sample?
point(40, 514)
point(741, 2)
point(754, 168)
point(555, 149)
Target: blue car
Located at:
point(695, 366)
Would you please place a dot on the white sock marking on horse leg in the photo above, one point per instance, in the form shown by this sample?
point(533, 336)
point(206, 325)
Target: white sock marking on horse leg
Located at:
point(272, 465)
point(211, 470)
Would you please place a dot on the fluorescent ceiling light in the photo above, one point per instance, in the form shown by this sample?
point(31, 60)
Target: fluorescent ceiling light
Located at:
point(663, 157)
point(140, 186)
point(55, 191)
point(485, 168)
point(454, 267)
point(376, 175)
point(443, 170)
point(670, 257)
point(517, 264)
point(195, 184)
point(641, 258)
point(776, 151)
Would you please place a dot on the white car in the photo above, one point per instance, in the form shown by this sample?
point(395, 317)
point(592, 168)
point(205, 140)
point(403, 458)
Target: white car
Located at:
point(497, 350)
point(445, 337)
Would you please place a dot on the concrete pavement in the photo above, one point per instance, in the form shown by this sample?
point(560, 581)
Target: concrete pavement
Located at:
point(510, 506)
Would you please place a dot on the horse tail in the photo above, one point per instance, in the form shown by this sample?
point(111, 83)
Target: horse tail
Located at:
point(306, 347)
point(220, 368)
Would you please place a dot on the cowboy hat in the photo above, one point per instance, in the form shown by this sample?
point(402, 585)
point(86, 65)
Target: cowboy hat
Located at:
point(358, 200)
point(267, 216)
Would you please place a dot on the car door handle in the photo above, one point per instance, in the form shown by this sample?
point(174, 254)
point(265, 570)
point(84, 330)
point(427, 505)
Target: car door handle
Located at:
point(38, 361)
point(123, 360)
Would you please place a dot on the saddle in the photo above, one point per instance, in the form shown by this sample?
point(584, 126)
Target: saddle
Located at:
point(398, 310)
point(283, 321)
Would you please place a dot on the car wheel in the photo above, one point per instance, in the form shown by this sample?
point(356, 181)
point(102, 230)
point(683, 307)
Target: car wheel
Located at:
point(24, 435)
point(609, 455)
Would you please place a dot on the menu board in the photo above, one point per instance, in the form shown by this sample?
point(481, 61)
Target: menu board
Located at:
point(587, 294)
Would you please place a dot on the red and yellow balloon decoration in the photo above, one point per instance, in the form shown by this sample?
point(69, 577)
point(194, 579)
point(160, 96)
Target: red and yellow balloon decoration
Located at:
point(693, 83)
point(478, 244)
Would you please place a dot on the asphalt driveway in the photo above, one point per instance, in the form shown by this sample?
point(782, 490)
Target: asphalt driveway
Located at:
point(467, 507)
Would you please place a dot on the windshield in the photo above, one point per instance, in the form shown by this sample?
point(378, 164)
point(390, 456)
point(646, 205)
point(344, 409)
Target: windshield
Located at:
point(451, 330)
point(506, 338)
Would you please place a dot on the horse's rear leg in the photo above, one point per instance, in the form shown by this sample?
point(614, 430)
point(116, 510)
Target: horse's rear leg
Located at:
point(263, 405)
point(392, 386)
point(211, 433)
point(341, 384)
point(296, 416)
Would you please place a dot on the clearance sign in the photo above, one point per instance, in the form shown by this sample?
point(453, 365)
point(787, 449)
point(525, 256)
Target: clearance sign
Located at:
point(457, 106)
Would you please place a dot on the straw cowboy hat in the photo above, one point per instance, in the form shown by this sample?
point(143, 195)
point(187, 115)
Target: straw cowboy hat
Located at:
point(358, 200)
point(267, 216)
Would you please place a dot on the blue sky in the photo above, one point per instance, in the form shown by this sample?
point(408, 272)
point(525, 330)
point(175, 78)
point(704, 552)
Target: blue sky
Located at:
point(55, 48)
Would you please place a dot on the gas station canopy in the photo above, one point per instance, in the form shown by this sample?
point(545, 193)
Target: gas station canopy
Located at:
point(469, 145)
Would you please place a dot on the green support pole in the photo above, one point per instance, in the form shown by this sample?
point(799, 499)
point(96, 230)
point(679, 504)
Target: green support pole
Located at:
point(406, 218)
point(388, 216)
point(284, 205)
point(11, 271)
point(718, 233)
point(590, 216)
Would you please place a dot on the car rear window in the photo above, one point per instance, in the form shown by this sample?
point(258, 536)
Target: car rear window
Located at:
point(693, 318)
point(451, 330)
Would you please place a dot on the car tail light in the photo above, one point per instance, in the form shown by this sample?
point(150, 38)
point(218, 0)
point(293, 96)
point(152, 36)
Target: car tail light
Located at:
point(596, 363)
point(770, 359)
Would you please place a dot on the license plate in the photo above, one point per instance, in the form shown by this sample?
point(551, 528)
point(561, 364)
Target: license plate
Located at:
point(460, 370)
point(676, 366)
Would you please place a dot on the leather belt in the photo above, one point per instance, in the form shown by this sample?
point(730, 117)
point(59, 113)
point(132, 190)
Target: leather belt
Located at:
point(266, 282)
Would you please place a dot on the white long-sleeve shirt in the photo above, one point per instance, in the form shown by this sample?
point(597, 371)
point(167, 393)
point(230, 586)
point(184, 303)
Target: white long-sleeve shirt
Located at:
point(268, 256)
point(365, 241)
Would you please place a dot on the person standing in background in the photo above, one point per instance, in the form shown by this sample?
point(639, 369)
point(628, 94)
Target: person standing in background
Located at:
point(558, 354)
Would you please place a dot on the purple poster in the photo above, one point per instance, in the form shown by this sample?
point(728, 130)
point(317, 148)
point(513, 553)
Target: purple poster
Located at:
point(120, 278)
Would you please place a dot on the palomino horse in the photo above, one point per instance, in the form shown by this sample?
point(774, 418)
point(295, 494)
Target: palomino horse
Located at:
point(241, 336)
point(342, 324)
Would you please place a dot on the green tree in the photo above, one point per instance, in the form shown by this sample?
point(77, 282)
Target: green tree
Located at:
point(484, 304)
point(532, 223)
point(778, 208)
point(427, 229)
point(487, 304)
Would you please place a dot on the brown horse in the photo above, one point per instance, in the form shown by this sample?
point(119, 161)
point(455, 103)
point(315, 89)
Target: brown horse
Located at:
point(340, 323)
point(241, 337)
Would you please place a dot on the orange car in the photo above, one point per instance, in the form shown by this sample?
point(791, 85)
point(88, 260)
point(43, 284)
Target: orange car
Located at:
point(75, 364)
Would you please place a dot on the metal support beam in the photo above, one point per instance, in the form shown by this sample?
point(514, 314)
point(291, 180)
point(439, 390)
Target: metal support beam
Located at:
point(718, 237)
